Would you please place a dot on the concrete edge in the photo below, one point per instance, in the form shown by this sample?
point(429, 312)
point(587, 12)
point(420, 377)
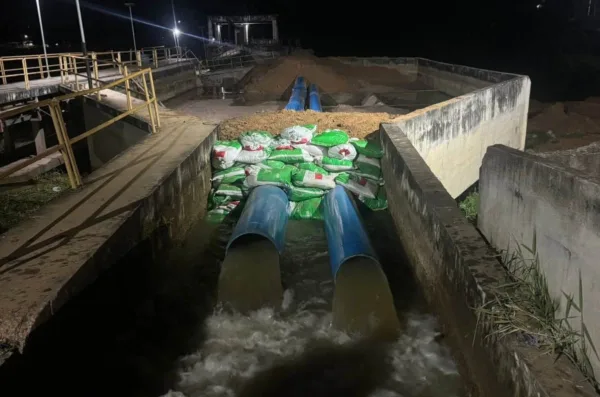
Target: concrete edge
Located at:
point(459, 273)
point(492, 76)
point(174, 202)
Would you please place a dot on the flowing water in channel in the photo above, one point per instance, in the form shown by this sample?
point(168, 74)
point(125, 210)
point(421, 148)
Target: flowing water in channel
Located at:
point(150, 328)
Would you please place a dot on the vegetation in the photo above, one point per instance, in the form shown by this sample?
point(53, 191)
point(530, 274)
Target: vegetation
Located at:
point(18, 203)
point(469, 206)
point(525, 309)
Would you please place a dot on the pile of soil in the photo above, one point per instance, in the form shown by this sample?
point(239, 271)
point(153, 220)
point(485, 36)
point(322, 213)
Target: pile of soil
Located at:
point(356, 124)
point(554, 118)
point(330, 74)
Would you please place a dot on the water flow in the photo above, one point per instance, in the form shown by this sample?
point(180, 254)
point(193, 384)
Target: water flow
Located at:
point(294, 350)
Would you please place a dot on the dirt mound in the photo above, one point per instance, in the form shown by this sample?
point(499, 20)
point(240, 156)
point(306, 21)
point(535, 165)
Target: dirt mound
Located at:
point(357, 124)
point(555, 119)
point(282, 73)
point(330, 74)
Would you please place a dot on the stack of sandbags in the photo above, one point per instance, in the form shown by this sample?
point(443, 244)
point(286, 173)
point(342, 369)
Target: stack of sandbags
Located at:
point(302, 163)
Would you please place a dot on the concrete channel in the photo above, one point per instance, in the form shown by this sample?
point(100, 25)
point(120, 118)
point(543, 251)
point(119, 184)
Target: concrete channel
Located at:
point(137, 226)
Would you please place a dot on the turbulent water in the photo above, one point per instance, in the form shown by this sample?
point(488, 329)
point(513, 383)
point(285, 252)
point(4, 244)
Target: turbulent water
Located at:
point(148, 327)
point(238, 347)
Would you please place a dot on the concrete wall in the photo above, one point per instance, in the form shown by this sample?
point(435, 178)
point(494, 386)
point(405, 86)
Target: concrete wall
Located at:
point(453, 136)
point(522, 195)
point(458, 273)
point(110, 141)
point(175, 80)
point(585, 158)
point(405, 65)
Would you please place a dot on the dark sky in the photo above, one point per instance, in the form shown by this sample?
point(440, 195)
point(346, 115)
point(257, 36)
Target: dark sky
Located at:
point(454, 31)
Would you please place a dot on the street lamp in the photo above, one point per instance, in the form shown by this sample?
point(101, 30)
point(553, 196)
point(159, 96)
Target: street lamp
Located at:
point(132, 29)
point(175, 29)
point(37, 2)
point(83, 47)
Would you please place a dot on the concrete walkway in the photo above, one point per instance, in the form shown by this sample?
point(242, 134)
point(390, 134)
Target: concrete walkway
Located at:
point(57, 253)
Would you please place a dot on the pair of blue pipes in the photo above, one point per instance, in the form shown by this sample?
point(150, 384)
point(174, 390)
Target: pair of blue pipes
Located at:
point(297, 100)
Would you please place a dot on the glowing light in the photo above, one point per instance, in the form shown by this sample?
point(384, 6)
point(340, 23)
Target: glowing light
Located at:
point(26, 36)
point(176, 32)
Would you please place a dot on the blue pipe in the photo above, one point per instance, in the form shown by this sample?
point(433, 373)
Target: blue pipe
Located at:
point(314, 99)
point(298, 98)
point(346, 236)
point(265, 214)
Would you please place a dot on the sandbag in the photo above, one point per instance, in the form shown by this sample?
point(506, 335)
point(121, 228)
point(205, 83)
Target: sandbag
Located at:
point(335, 165)
point(280, 143)
point(307, 209)
point(305, 178)
point(329, 138)
point(216, 215)
point(357, 174)
point(378, 203)
point(362, 187)
point(291, 156)
point(368, 165)
point(313, 150)
point(344, 151)
point(312, 167)
point(234, 192)
point(296, 193)
point(261, 176)
point(229, 176)
point(255, 140)
point(225, 153)
point(299, 134)
point(253, 156)
point(369, 148)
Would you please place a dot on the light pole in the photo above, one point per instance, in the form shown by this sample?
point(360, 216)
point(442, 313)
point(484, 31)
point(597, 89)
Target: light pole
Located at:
point(132, 29)
point(84, 48)
point(37, 2)
point(175, 29)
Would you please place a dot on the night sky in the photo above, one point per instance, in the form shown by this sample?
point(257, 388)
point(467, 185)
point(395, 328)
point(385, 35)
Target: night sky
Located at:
point(509, 35)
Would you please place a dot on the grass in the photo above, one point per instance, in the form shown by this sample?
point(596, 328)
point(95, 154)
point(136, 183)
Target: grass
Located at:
point(19, 203)
point(469, 206)
point(524, 308)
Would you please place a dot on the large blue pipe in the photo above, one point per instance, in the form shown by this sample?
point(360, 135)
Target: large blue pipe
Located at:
point(265, 214)
point(298, 98)
point(346, 236)
point(314, 99)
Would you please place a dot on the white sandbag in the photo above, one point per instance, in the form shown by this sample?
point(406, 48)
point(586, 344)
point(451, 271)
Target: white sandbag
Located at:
point(225, 153)
point(280, 143)
point(304, 178)
point(252, 156)
point(361, 187)
point(313, 150)
point(255, 140)
point(297, 134)
point(344, 151)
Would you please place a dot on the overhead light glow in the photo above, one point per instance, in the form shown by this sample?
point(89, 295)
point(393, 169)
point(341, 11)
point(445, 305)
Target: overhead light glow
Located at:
point(176, 32)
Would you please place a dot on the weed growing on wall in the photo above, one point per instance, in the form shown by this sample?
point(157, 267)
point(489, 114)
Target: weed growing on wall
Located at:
point(524, 308)
point(469, 206)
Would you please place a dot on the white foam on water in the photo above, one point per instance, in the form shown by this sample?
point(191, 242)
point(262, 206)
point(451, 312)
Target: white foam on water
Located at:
point(238, 346)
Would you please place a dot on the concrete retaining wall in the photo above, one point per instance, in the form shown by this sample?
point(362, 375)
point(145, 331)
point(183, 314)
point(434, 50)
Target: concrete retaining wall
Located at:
point(405, 65)
point(522, 195)
point(453, 136)
point(585, 158)
point(458, 273)
point(110, 141)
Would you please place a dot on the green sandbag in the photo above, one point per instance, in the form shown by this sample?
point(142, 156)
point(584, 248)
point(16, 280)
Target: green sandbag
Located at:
point(291, 156)
point(296, 193)
point(378, 203)
point(274, 164)
point(368, 148)
point(329, 138)
point(234, 192)
point(312, 167)
point(215, 200)
point(229, 176)
point(369, 166)
point(277, 177)
point(307, 209)
point(335, 165)
point(216, 215)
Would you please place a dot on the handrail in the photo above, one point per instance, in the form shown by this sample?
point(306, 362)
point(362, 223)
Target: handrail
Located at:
point(16, 68)
point(237, 61)
point(65, 143)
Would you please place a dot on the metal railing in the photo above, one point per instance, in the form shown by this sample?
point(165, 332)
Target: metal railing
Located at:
point(65, 144)
point(25, 69)
point(237, 61)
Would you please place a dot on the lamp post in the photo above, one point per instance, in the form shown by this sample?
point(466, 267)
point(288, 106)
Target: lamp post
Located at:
point(175, 29)
point(132, 29)
point(37, 2)
point(84, 48)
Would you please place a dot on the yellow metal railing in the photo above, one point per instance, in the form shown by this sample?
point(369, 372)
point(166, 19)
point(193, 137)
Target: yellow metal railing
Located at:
point(64, 142)
point(25, 69)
